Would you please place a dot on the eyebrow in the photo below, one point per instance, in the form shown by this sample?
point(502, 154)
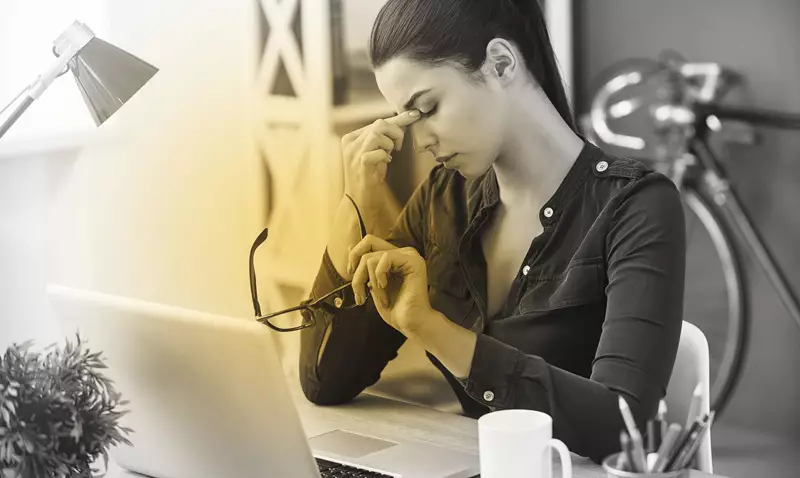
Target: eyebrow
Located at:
point(414, 98)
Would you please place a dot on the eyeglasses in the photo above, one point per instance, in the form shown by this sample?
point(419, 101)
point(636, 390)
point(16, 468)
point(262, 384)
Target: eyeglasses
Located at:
point(300, 316)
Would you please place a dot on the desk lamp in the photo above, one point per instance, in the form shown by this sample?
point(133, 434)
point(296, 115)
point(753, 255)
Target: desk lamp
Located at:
point(106, 75)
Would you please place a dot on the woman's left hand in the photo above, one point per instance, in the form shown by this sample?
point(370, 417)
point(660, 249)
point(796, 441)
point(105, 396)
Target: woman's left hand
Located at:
point(397, 279)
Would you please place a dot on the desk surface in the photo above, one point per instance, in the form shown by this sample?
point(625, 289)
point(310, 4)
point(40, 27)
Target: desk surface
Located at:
point(394, 420)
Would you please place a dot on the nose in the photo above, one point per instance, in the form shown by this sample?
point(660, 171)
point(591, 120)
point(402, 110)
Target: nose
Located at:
point(424, 139)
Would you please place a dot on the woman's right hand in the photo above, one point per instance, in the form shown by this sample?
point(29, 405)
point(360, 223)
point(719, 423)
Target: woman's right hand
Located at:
point(366, 153)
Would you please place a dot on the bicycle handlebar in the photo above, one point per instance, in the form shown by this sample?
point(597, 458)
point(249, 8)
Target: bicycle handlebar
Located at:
point(683, 92)
point(774, 119)
point(690, 96)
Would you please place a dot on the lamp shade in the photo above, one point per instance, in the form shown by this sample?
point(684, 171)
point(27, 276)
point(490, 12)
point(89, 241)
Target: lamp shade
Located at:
point(108, 77)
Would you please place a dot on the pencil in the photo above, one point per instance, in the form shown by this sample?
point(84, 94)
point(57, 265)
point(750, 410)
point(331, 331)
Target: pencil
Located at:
point(662, 417)
point(693, 443)
point(638, 457)
point(666, 450)
point(694, 406)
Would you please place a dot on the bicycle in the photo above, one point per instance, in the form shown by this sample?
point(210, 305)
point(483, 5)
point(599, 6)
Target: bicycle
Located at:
point(675, 108)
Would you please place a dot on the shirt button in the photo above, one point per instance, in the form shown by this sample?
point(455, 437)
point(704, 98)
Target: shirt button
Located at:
point(548, 212)
point(525, 270)
point(488, 395)
point(337, 302)
point(602, 166)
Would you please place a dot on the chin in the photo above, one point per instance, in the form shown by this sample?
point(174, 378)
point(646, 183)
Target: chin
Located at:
point(470, 170)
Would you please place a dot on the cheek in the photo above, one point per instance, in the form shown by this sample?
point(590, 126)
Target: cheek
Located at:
point(472, 125)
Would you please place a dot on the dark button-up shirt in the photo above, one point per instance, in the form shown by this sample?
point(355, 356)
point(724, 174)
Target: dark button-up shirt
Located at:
point(594, 312)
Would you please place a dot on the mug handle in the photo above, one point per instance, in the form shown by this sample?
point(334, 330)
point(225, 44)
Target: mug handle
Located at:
point(563, 453)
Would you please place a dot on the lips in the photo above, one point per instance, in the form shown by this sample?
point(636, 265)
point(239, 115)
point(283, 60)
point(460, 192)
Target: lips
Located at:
point(444, 159)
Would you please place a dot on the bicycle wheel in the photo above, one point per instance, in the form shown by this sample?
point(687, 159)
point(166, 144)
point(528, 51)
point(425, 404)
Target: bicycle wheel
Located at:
point(716, 291)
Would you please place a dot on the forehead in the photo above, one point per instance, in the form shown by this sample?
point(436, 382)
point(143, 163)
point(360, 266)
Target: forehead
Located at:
point(400, 77)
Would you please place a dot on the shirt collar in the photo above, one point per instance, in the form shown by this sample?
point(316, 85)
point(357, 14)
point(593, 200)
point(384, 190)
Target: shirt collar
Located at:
point(574, 179)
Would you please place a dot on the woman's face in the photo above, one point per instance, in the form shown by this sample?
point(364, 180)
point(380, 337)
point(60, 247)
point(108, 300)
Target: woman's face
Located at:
point(461, 118)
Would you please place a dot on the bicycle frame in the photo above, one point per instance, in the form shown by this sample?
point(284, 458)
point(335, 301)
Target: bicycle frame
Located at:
point(726, 197)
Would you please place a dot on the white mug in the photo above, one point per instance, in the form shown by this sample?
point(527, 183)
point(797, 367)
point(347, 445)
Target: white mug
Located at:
point(517, 443)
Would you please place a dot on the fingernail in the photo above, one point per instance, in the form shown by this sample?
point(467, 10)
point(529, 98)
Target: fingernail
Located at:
point(413, 113)
point(349, 268)
point(382, 282)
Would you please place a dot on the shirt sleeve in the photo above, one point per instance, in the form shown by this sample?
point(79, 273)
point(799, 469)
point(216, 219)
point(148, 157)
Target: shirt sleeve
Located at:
point(638, 344)
point(342, 354)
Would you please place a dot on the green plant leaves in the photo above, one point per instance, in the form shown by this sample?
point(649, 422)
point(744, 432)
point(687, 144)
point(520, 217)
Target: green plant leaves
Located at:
point(58, 412)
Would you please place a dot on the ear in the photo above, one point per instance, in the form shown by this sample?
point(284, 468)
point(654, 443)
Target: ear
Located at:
point(502, 61)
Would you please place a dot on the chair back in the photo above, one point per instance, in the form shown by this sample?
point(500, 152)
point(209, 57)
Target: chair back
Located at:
point(691, 367)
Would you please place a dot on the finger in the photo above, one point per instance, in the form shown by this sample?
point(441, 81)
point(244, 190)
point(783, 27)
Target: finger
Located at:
point(412, 261)
point(349, 265)
point(360, 279)
point(376, 140)
point(357, 144)
point(382, 269)
point(369, 243)
point(364, 246)
point(405, 118)
point(391, 130)
point(373, 158)
point(358, 141)
point(378, 292)
point(405, 261)
point(352, 136)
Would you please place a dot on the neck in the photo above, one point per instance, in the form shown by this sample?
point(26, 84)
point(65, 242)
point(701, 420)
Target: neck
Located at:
point(540, 150)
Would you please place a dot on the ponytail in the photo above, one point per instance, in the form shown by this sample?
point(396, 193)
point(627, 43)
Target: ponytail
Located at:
point(541, 58)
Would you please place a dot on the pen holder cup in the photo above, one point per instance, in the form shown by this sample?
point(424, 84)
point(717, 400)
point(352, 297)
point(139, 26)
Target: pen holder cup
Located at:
point(610, 465)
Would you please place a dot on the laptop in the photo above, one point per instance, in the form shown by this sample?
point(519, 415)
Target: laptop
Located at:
point(208, 398)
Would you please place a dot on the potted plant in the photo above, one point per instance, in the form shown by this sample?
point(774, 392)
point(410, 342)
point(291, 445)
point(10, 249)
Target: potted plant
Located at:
point(58, 413)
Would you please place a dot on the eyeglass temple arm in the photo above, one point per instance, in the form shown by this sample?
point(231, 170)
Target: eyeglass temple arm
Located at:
point(253, 286)
point(309, 304)
point(302, 306)
point(306, 304)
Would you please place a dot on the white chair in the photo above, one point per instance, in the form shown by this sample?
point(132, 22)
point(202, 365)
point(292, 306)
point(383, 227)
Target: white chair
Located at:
point(691, 367)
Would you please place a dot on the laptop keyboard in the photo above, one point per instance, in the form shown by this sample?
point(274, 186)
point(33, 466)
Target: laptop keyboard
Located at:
point(330, 469)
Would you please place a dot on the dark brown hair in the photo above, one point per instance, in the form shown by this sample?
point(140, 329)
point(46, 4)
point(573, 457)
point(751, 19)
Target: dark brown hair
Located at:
point(435, 31)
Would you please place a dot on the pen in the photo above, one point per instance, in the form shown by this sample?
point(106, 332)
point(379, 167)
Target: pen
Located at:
point(651, 461)
point(639, 461)
point(622, 460)
point(626, 454)
point(683, 440)
point(686, 453)
point(694, 406)
point(667, 447)
point(653, 435)
point(661, 417)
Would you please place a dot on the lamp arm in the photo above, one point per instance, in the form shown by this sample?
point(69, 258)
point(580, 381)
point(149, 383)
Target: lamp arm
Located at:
point(6, 124)
point(71, 42)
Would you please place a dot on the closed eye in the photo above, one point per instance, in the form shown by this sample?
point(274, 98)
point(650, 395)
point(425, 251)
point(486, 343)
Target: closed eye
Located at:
point(431, 111)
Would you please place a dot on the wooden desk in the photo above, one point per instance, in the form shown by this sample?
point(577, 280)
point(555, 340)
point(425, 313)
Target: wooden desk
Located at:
point(391, 419)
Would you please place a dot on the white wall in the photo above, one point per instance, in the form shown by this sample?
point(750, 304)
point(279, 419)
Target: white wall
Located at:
point(359, 15)
point(165, 201)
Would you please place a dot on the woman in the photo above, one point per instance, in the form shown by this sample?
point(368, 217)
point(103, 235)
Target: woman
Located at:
point(536, 271)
